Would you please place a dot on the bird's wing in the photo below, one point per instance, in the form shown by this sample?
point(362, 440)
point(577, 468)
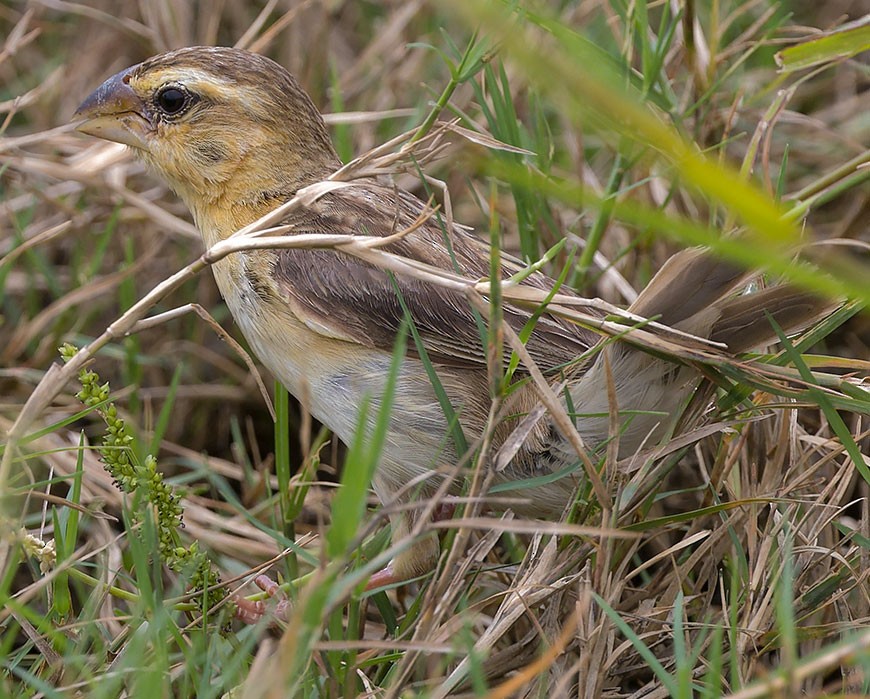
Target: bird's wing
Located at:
point(342, 296)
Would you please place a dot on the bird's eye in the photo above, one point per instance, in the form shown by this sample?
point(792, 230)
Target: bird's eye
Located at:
point(171, 100)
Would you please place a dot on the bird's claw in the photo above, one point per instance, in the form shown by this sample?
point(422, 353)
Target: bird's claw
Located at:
point(252, 611)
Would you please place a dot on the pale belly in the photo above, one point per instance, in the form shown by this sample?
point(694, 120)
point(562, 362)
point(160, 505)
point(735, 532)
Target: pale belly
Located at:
point(333, 378)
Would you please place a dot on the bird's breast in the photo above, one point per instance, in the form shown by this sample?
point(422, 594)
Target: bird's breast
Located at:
point(330, 377)
point(333, 377)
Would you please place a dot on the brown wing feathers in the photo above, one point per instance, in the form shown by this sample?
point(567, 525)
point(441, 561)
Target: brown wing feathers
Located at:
point(362, 300)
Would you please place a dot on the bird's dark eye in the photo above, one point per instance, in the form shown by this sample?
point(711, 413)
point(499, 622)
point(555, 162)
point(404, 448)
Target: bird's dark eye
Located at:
point(172, 100)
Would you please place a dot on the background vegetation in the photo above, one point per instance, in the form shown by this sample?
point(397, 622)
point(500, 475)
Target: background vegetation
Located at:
point(736, 564)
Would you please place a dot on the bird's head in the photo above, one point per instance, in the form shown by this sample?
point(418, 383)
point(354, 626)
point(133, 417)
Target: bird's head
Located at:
point(224, 127)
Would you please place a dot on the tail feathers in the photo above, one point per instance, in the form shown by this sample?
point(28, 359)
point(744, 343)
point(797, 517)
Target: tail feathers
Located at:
point(688, 284)
point(747, 322)
point(693, 292)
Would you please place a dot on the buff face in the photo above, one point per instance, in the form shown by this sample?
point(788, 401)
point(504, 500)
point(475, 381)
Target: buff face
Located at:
point(224, 128)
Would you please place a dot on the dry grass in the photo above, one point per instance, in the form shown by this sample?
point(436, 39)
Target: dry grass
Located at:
point(735, 562)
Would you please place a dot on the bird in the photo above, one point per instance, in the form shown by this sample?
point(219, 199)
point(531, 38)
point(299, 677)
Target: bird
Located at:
point(236, 136)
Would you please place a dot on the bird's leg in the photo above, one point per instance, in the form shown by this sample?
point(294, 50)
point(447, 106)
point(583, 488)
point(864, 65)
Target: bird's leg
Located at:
point(419, 558)
point(416, 560)
point(250, 612)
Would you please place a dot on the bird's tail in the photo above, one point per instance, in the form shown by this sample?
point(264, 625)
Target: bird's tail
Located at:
point(694, 293)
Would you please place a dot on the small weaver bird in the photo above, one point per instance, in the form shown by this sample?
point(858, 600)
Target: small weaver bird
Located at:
point(235, 137)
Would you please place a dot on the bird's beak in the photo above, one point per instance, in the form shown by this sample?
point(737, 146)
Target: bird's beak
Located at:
point(114, 112)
